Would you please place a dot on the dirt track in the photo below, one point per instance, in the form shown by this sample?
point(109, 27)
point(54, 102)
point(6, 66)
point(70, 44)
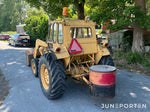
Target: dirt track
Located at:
point(4, 89)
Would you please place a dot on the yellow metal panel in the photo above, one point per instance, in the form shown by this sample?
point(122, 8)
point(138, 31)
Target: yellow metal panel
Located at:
point(66, 61)
point(37, 45)
point(63, 52)
point(89, 45)
point(101, 52)
point(75, 22)
point(98, 55)
point(88, 48)
point(105, 51)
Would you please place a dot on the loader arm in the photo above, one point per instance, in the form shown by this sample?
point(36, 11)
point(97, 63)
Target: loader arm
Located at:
point(39, 43)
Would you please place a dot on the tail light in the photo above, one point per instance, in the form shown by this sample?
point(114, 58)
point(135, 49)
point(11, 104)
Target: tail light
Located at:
point(106, 45)
point(19, 38)
point(58, 49)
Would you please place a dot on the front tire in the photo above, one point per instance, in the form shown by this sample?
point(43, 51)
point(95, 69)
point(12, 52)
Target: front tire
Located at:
point(52, 76)
point(106, 60)
point(34, 67)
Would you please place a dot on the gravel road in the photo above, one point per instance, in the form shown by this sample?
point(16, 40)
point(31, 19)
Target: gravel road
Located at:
point(25, 95)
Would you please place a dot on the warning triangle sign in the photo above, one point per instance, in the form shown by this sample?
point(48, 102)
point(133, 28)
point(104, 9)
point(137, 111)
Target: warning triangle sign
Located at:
point(75, 47)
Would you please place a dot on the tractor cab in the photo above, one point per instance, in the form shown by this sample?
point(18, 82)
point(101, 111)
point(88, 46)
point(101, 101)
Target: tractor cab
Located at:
point(74, 35)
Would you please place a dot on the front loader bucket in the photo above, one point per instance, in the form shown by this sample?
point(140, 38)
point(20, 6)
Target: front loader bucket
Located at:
point(102, 78)
point(29, 56)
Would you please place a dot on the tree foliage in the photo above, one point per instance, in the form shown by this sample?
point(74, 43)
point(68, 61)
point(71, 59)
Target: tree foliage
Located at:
point(72, 13)
point(37, 27)
point(12, 12)
point(122, 11)
point(35, 12)
point(148, 7)
point(55, 7)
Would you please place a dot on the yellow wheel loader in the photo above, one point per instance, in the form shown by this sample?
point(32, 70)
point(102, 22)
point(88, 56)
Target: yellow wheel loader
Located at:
point(70, 49)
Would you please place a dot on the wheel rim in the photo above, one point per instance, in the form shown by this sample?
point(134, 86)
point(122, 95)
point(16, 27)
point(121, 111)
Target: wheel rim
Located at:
point(44, 77)
point(33, 67)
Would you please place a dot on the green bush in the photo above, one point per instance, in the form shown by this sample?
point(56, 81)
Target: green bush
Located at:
point(146, 60)
point(134, 57)
point(37, 27)
point(120, 53)
point(146, 42)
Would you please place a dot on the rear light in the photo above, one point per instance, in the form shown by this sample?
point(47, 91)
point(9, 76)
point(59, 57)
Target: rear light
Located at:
point(19, 38)
point(58, 49)
point(97, 41)
point(106, 45)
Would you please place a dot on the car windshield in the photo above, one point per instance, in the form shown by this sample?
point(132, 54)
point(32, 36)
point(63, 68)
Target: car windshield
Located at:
point(15, 35)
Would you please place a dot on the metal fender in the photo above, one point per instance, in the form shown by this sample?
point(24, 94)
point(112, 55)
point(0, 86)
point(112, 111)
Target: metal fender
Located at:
point(105, 51)
point(63, 54)
point(101, 52)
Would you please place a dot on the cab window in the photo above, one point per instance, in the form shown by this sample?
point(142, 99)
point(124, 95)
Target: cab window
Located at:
point(78, 32)
point(55, 32)
point(50, 33)
point(60, 33)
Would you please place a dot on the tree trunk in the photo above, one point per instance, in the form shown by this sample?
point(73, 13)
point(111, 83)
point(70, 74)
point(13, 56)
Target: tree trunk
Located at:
point(138, 43)
point(80, 8)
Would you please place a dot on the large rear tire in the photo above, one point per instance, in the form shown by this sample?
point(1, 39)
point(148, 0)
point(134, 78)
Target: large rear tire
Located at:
point(52, 76)
point(106, 60)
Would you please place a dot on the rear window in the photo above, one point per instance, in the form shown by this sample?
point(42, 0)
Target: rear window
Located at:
point(78, 32)
point(15, 36)
point(24, 36)
point(54, 32)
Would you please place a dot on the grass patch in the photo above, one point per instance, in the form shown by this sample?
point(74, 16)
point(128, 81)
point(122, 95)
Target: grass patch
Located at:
point(9, 32)
point(0, 72)
point(120, 53)
point(1, 75)
point(3, 88)
point(4, 40)
point(136, 62)
point(120, 65)
point(136, 57)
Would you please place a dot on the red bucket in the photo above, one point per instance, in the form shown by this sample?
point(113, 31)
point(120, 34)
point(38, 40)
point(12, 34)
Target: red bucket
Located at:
point(103, 79)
